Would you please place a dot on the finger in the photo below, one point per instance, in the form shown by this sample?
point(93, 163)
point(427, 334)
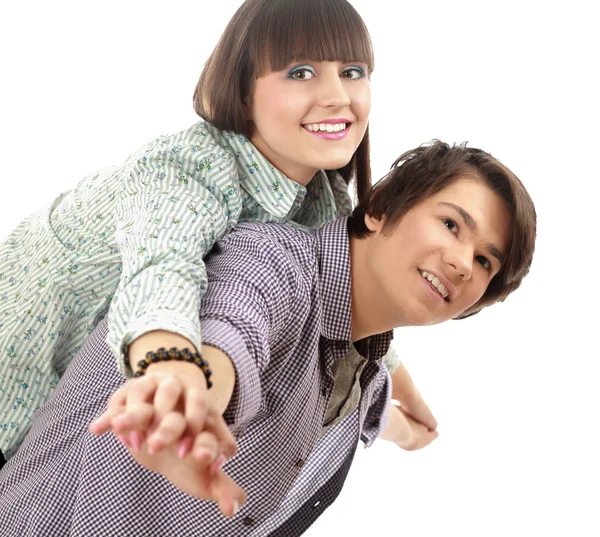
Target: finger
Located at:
point(205, 448)
point(427, 438)
point(103, 423)
point(218, 464)
point(228, 494)
point(138, 418)
point(119, 397)
point(185, 446)
point(428, 420)
point(196, 408)
point(136, 439)
point(141, 390)
point(168, 431)
point(166, 397)
point(216, 424)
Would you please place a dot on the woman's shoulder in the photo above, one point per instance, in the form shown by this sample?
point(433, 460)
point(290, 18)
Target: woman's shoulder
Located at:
point(199, 150)
point(201, 138)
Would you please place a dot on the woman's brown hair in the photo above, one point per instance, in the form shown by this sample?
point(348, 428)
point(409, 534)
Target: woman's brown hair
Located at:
point(420, 173)
point(267, 35)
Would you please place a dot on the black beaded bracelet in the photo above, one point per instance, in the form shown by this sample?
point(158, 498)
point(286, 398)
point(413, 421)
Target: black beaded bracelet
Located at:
point(164, 355)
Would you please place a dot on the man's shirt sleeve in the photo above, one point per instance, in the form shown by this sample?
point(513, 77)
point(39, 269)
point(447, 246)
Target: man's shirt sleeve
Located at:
point(376, 417)
point(254, 284)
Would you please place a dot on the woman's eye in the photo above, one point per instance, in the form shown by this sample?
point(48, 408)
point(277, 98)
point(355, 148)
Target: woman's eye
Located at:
point(301, 73)
point(353, 73)
point(451, 225)
point(485, 262)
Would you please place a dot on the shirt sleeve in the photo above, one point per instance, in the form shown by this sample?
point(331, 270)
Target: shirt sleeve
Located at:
point(174, 206)
point(376, 418)
point(254, 284)
point(391, 360)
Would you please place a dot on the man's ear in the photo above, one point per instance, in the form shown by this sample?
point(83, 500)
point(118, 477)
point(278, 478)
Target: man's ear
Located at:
point(373, 223)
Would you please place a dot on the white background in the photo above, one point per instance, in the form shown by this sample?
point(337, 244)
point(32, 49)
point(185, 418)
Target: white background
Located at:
point(516, 388)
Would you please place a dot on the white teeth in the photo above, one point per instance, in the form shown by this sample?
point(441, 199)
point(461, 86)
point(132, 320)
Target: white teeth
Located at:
point(325, 127)
point(435, 282)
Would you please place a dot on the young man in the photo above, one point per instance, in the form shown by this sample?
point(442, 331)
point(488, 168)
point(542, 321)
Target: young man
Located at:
point(295, 325)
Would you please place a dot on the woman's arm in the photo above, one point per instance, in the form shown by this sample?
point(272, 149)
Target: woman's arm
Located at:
point(170, 211)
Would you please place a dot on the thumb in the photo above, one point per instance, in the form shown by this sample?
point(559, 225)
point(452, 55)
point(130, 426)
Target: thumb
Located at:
point(227, 493)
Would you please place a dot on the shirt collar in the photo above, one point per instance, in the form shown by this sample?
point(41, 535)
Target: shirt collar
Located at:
point(275, 192)
point(334, 275)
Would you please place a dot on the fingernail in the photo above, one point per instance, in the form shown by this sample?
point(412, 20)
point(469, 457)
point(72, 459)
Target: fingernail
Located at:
point(184, 449)
point(136, 441)
point(203, 453)
point(236, 507)
point(218, 464)
point(123, 441)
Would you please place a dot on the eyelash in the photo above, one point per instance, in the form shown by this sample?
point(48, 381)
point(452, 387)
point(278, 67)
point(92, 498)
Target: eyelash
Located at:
point(483, 261)
point(306, 68)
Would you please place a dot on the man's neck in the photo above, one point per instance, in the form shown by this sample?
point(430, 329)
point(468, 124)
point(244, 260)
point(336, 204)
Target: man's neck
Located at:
point(369, 315)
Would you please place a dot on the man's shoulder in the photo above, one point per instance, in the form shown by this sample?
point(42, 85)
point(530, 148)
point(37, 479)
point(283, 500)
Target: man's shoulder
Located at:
point(276, 239)
point(274, 258)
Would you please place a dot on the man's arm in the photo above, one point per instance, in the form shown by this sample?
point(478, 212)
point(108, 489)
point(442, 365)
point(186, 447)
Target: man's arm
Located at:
point(406, 432)
point(405, 392)
point(251, 291)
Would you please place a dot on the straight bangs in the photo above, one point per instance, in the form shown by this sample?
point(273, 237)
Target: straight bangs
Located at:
point(308, 30)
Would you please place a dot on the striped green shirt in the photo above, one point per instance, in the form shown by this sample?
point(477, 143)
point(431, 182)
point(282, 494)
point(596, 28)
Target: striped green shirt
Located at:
point(131, 240)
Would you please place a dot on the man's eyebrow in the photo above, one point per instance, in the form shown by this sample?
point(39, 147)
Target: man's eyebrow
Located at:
point(472, 225)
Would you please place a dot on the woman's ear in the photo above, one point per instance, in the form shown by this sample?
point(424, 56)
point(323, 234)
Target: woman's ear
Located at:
point(373, 223)
point(247, 110)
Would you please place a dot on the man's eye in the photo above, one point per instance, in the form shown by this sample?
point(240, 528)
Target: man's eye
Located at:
point(485, 262)
point(451, 225)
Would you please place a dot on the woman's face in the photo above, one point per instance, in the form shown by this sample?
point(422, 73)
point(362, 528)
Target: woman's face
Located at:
point(440, 258)
point(310, 116)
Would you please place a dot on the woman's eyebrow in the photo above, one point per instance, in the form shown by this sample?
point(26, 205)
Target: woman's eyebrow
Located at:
point(472, 225)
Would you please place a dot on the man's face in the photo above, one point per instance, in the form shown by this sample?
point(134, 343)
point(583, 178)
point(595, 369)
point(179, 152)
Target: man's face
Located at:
point(442, 255)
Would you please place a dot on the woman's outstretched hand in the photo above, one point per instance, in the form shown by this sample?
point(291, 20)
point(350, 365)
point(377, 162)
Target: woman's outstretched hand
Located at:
point(170, 425)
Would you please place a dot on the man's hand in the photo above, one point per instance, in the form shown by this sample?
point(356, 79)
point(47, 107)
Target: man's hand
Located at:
point(405, 392)
point(405, 431)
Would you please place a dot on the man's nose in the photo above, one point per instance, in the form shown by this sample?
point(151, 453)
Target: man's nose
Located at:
point(461, 261)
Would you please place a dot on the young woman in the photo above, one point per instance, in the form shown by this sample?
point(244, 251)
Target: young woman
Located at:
point(284, 96)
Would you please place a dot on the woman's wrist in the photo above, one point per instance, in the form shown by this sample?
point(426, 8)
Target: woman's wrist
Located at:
point(222, 370)
point(154, 340)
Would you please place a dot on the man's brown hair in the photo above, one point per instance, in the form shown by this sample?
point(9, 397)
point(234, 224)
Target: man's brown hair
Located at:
point(420, 173)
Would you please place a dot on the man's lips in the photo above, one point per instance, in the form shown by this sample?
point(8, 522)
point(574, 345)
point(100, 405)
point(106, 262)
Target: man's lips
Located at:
point(443, 286)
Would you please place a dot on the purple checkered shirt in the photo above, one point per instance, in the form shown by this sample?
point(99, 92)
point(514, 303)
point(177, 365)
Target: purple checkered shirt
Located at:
point(278, 304)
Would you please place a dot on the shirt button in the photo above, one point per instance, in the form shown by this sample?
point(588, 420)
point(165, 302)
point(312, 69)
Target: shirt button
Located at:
point(299, 463)
point(248, 521)
point(316, 504)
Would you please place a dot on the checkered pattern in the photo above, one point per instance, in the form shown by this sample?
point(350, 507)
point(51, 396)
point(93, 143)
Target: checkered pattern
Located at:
point(279, 304)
